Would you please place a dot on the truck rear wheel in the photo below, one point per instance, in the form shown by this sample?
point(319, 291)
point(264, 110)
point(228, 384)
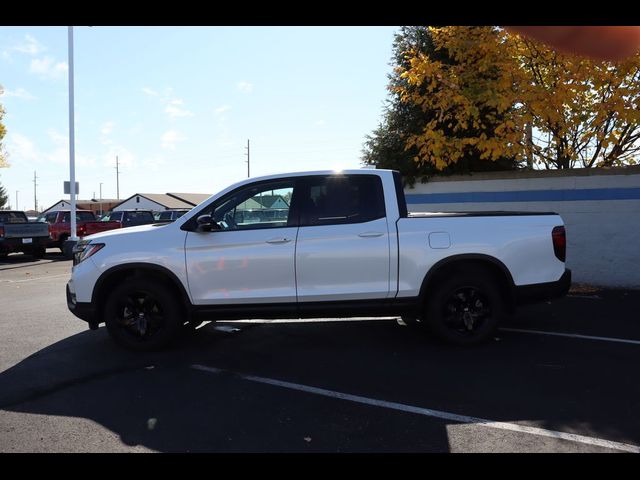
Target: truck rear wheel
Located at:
point(466, 308)
point(143, 315)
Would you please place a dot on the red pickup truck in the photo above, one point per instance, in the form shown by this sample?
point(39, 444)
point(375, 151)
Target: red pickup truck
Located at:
point(60, 225)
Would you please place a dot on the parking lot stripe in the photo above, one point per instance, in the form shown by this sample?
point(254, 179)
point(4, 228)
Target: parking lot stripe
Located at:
point(35, 278)
point(599, 442)
point(573, 335)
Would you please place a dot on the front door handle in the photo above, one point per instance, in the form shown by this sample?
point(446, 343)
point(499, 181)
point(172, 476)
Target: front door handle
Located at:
point(278, 240)
point(370, 234)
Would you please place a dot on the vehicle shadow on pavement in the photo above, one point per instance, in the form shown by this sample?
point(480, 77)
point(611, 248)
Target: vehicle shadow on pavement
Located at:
point(159, 401)
point(20, 260)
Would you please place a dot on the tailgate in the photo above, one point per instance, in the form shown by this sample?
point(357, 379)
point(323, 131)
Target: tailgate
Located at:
point(97, 227)
point(26, 230)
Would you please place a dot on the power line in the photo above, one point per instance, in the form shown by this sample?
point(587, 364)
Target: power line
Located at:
point(117, 178)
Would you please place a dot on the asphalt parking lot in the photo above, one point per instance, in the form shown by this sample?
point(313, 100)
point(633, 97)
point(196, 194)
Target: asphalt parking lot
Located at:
point(560, 377)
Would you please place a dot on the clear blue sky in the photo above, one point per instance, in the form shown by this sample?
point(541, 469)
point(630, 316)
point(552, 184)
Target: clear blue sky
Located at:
point(177, 104)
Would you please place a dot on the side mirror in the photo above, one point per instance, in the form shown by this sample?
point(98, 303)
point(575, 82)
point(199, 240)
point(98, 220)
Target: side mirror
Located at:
point(206, 224)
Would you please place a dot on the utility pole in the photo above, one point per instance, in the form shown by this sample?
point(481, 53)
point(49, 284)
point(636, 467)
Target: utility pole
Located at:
point(248, 171)
point(117, 178)
point(100, 199)
point(35, 192)
point(17, 199)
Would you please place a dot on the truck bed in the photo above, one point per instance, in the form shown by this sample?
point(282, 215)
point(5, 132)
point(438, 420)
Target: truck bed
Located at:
point(497, 213)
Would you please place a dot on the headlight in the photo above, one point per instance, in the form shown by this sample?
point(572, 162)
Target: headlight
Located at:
point(84, 249)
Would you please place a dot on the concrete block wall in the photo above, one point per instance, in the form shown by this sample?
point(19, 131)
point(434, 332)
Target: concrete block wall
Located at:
point(600, 208)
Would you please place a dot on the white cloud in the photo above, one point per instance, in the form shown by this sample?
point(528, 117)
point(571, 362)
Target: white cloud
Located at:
point(222, 109)
point(320, 123)
point(26, 152)
point(174, 109)
point(107, 128)
point(48, 67)
point(105, 132)
point(30, 46)
point(57, 137)
point(22, 148)
point(169, 139)
point(18, 93)
point(244, 87)
point(150, 91)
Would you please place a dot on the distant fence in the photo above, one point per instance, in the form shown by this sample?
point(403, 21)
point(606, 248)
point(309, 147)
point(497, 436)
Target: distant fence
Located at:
point(600, 208)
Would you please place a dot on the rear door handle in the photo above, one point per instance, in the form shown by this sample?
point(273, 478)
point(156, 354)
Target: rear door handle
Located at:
point(278, 240)
point(370, 234)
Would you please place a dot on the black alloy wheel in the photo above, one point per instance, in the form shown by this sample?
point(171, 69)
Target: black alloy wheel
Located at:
point(143, 314)
point(466, 307)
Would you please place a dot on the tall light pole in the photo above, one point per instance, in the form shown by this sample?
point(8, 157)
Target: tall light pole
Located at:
point(101, 200)
point(72, 159)
point(17, 199)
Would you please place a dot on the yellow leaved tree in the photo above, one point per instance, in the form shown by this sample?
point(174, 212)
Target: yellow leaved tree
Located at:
point(545, 108)
point(3, 156)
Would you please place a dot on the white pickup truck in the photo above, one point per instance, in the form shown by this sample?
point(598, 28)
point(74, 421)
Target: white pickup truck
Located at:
point(317, 244)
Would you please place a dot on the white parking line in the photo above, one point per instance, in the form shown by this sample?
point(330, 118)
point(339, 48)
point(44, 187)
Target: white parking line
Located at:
point(573, 335)
point(36, 278)
point(599, 442)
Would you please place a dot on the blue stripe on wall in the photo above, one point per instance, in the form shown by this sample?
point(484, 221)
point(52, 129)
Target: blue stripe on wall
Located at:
point(527, 196)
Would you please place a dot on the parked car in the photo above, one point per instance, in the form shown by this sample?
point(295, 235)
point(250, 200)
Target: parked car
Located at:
point(348, 247)
point(17, 234)
point(130, 218)
point(170, 215)
point(60, 225)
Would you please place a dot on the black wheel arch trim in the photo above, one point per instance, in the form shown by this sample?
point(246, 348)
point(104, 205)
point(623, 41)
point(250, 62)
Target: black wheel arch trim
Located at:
point(466, 257)
point(141, 266)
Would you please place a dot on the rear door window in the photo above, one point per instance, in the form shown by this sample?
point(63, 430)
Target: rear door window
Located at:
point(341, 199)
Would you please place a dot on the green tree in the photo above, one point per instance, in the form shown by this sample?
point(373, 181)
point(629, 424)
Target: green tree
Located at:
point(389, 145)
point(4, 198)
point(385, 147)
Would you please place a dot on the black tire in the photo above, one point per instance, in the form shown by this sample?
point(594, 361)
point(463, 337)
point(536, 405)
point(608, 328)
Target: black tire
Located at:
point(3, 256)
point(154, 315)
point(61, 240)
point(466, 308)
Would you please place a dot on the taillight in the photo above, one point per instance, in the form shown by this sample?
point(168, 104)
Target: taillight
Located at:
point(1, 231)
point(559, 238)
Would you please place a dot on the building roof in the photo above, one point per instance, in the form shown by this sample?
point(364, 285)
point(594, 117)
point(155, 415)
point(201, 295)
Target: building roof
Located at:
point(69, 202)
point(161, 199)
point(268, 201)
point(106, 200)
point(191, 198)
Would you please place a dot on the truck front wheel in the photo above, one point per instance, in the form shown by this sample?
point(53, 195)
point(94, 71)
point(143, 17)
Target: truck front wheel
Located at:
point(466, 308)
point(143, 315)
point(61, 240)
